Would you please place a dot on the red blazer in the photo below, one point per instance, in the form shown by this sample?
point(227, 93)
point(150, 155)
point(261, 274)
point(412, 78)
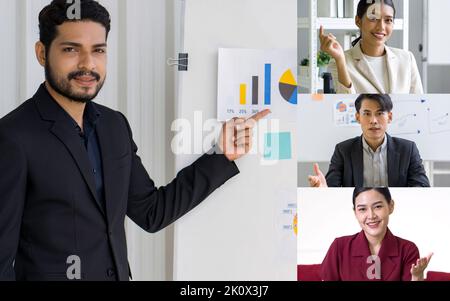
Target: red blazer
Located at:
point(346, 259)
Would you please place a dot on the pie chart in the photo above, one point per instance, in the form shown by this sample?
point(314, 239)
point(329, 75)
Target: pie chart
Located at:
point(288, 87)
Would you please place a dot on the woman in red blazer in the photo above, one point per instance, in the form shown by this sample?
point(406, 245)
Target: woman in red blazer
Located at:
point(374, 253)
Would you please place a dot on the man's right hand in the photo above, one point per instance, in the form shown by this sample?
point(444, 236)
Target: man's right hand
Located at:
point(330, 45)
point(317, 181)
point(236, 136)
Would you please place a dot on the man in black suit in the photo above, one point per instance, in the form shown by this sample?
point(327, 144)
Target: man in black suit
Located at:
point(375, 159)
point(70, 172)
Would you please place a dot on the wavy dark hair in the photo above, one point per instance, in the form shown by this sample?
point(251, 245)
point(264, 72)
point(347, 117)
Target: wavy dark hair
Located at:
point(363, 5)
point(55, 14)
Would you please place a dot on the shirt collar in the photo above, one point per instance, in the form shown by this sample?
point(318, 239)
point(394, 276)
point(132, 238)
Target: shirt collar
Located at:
point(90, 116)
point(389, 246)
point(369, 149)
point(91, 113)
point(357, 54)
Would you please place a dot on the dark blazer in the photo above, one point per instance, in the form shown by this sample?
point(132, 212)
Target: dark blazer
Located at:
point(346, 259)
point(404, 165)
point(48, 202)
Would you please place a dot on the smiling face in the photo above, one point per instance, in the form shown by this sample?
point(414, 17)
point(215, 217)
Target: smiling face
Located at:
point(374, 121)
point(75, 64)
point(377, 24)
point(372, 211)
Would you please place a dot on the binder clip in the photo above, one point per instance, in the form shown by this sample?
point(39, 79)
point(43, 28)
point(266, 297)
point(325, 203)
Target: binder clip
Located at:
point(182, 62)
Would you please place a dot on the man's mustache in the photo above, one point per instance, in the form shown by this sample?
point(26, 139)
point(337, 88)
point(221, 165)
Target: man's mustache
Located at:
point(76, 74)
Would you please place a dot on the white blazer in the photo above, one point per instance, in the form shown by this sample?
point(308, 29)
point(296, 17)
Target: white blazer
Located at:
point(404, 76)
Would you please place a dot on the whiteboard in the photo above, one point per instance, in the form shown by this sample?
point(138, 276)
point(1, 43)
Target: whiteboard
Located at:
point(319, 209)
point(235, 234)
point(424, 119)
point(438, 45)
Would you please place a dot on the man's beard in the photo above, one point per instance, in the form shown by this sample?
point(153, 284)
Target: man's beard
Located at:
point(63, 87)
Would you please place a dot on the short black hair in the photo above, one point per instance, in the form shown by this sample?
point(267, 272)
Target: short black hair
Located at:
point(384, 100)
point(382, 190)
point(55, 14)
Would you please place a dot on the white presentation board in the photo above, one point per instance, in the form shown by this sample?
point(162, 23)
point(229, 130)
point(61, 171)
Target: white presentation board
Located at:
point(243, 231)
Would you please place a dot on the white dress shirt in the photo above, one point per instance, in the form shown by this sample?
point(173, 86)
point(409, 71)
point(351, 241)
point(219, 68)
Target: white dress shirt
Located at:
point(375, 165)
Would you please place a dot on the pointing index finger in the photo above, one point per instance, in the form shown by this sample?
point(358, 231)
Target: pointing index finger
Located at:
point(317, 169)
point(260, 115)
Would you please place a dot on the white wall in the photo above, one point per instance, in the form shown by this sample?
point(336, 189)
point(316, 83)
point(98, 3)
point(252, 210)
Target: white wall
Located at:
point(420, 215)
point(138, 83)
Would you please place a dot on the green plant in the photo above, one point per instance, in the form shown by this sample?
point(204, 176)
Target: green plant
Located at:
point(304, 62)
point(323, 59)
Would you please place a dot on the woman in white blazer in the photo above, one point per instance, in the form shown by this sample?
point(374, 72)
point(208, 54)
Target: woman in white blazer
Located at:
point(371, 66)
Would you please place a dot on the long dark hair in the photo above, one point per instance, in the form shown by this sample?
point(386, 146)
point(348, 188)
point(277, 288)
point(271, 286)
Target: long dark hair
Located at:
point(363, 5)
point(382, 190)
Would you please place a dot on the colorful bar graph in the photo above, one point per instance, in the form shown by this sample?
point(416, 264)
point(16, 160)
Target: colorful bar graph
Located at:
point(243, 94)
point(267, 83)
point(255, 88)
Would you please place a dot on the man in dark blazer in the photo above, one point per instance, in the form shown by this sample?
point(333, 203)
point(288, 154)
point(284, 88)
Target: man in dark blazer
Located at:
point(70, 172)
point(375, 159)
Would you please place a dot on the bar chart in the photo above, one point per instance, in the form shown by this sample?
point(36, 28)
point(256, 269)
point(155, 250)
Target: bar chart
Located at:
point(255, 88)
point(253, 80)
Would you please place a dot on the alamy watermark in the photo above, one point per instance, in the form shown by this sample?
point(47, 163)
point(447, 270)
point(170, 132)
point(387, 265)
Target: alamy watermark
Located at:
point(74, 10)
point(74, 269)
point(374, 271)
point(199, 136)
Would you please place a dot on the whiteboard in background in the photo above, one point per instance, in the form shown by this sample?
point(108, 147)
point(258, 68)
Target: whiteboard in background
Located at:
point(420, 216)
point(235, 233)
point(424, 119)
point(438, 43)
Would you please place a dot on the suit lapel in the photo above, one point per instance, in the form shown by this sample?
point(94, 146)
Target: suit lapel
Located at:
point(68, 137)
point(63, 130)
point(105, 140)
point(360, 253)
point(357, 163)
point(389, 251)
point(363, 66)
point(392, 66)
point(393, 162)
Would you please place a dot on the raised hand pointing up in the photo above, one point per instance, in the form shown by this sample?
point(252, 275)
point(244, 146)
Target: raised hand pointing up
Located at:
point(318, 180)
point(330, 45)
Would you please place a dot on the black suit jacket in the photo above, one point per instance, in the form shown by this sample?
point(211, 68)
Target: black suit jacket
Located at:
point(48, 205)
point(404, 164)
